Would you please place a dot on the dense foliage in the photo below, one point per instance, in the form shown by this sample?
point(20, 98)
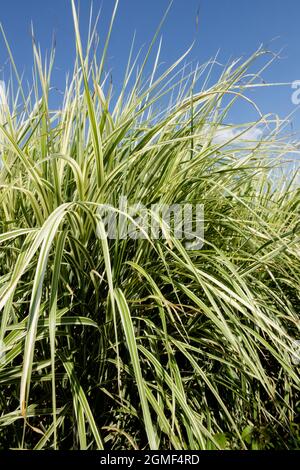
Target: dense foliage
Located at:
point(126, 344)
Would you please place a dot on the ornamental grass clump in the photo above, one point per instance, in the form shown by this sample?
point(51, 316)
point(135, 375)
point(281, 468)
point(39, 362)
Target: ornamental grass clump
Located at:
point(143, 342)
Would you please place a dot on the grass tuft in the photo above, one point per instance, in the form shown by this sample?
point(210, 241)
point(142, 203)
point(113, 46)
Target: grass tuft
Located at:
point(143, 343)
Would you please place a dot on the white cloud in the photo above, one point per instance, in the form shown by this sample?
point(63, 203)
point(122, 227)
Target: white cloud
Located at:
point(225, 134)
point(2, 92)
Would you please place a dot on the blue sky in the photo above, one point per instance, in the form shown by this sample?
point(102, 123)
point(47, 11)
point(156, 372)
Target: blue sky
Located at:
point(236, 27)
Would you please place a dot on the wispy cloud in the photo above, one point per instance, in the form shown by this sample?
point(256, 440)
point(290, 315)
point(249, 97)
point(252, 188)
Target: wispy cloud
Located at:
point(225, 134)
